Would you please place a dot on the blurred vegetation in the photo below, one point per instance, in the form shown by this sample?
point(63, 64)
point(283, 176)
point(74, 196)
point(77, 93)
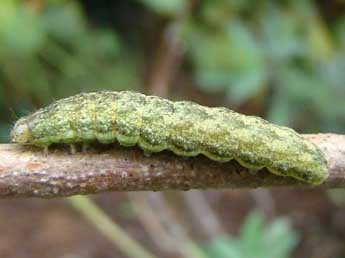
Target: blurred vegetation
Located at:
point(284, 60)
point(279, 50)
point(48, 51)
point(276, 240)
point(256, 238)
point(281, 55)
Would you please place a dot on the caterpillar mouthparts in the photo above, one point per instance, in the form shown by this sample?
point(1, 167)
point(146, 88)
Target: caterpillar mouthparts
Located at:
point(183, 127)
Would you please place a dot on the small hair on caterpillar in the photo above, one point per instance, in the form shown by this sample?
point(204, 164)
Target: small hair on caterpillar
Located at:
point(183, 127)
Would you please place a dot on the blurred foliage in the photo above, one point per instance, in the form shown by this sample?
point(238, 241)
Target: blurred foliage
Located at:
point(280, 55)
point(257, 240)
point(281, 49)
point(48, 50)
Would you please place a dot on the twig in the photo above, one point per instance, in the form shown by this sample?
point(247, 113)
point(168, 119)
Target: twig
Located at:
point(27, 172)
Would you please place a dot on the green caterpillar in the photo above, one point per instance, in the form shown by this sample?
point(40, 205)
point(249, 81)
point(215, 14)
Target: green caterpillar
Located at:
point(183, 127)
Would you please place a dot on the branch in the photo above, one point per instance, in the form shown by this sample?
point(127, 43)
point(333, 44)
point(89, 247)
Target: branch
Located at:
point(27, 172)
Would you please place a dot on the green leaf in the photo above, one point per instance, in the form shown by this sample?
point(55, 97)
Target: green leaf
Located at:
point(281, 36)
point(252, 231)
point(279, 236)
point(228, 60)
point(224, 247)
point(256, 240)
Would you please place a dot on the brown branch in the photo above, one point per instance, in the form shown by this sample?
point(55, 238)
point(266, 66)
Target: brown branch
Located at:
point(27, 172)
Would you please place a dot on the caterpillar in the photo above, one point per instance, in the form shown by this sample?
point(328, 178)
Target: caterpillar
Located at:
point(185, 128)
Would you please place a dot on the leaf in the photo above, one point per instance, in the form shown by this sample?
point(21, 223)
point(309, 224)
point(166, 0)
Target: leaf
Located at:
point(224, 247)
point(279, 238)
point(281, 38)
point(252, 232)
point(256, 240)
point(227, 60)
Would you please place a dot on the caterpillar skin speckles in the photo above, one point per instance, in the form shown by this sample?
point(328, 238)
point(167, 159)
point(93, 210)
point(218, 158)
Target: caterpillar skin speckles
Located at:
point(183, 127)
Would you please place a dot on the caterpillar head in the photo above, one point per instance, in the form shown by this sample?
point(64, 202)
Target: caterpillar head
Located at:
point(21, 132)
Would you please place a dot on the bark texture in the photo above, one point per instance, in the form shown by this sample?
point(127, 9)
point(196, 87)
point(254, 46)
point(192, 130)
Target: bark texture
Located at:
point(27, 172)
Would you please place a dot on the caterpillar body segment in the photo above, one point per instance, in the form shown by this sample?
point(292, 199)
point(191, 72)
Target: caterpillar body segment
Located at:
point(183, 127)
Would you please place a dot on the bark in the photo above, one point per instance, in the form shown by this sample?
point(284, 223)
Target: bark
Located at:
point(27, 172)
